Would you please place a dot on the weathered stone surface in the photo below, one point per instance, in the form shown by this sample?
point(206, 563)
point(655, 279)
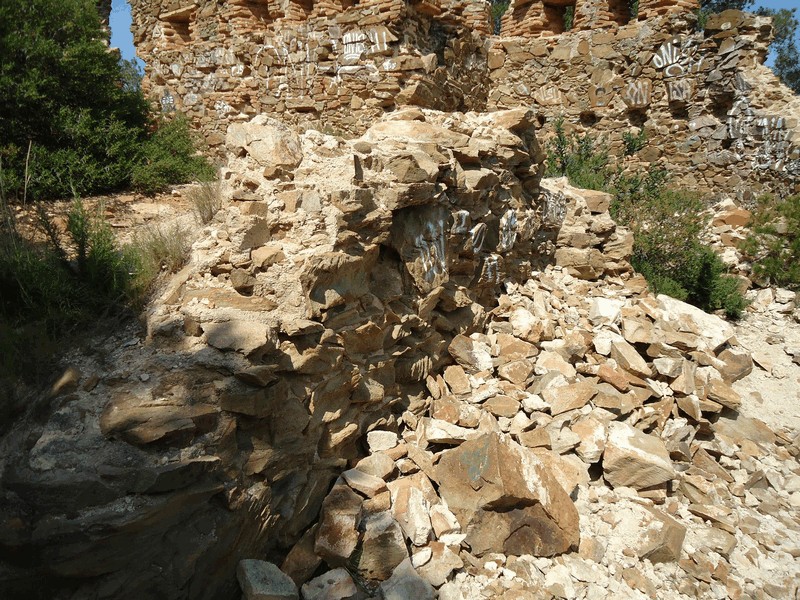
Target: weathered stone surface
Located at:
point(635, 459)
point(261, 580)
point(473, 355)
point(382, 547)
point(406, 583)
point(437, 568)
point(685, 317)
point(333, 585)
point(494, 479)
point(369, 485)
point(337, 535)
point(569, 397)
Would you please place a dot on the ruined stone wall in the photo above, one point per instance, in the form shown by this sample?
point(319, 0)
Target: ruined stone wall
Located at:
point(318, 305)
point(333, 66)
point(713, 115)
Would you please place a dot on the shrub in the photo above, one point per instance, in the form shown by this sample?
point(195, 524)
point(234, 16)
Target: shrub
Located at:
point(666, 224)
point(578, 158)
point(773, 244)
point(168, 157)
point(633, 142)
point(79, 109)
point(60, 90)
point(206, 200)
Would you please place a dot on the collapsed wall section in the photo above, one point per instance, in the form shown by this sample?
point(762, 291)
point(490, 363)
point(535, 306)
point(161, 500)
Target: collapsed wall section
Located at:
point(318, 305)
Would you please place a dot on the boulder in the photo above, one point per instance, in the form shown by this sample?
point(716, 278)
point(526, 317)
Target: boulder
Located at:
point(506, 499)
point(261, 580)
point(405, 583)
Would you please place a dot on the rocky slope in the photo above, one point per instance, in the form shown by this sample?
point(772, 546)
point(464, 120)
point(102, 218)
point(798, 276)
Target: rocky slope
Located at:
point(402, 364)
point(594, 389)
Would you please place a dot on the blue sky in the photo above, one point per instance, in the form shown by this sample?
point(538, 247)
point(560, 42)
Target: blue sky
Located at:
point(121, 23)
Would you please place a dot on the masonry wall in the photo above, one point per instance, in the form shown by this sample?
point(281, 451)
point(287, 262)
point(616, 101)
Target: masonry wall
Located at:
point(712, 113)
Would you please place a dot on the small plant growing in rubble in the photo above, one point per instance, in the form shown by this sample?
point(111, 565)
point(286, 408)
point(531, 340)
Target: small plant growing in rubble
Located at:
point(633, 142)
point(666, 224)
point(773, 244)
point(206, 200)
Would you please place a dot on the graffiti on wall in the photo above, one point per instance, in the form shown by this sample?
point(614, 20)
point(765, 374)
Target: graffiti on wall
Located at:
point(299, 62)
point(678, 60)
point(768, 135)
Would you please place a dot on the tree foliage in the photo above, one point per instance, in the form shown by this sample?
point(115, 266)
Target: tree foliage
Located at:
point(787, 56)
point(72, 114)
point(60, 91)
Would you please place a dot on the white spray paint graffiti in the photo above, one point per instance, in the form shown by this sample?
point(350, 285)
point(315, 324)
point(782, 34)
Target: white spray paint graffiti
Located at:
point(460, 222)
point(432, 250)
point(677, 57)
point(679, 90)
point(491, 270)
point(478, 235)
point(222, 107)
point(508, 231)
point(637, 94)
point(768, 134)
point(167, 102)
point(296, 60)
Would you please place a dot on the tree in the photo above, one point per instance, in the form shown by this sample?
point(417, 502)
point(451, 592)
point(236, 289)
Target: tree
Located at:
point(61, 93)
point(787, 56)
point(717, 6)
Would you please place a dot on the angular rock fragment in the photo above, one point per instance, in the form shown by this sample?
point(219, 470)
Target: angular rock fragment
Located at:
point(635, 459)
point(261, 580)
point(333, 585)
point(406, 583)
point(494, 484)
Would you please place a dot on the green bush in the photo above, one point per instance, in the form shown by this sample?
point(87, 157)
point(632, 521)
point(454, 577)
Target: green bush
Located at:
point(79, 110)
point(60, 91)
point(168, 157)
point(633, 142)
point(773, 244)
point(666, 224)
point(578, 158)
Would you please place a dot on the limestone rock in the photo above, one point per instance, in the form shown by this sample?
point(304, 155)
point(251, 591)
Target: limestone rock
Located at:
point(333, 585)
point(494, 484)
point(382, 547)
point(635, 459)
point(406, 583)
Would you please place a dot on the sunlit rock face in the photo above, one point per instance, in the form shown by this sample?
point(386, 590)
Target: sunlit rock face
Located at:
point(315, 307)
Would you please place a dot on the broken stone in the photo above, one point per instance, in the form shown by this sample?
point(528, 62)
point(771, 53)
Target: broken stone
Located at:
point(493, 478)
point(382, 547)
point(261, 580)
point(635, 459)
point(569, 397)
point(333, 585)
point(405, 583)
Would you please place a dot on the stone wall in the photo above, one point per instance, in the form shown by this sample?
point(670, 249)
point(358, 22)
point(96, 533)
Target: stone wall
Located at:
point(336, 67)
point(712, 113)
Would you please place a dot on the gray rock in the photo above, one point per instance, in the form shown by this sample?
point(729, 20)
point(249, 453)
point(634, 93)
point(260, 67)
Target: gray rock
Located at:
point(261, 580)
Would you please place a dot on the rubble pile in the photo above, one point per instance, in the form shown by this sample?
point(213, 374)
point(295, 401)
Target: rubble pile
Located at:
point(585, 444)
